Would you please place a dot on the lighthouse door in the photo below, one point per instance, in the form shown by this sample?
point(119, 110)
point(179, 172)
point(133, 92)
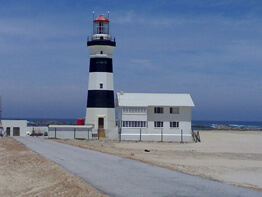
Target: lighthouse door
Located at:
point(101, 130)
point(100, 123)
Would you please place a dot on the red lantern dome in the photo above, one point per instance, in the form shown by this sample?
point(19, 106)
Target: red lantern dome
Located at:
point(101, 18)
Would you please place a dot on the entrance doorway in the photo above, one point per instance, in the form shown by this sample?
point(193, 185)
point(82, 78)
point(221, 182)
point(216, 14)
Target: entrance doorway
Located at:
point(8, 131)
point(101, 130)
point(100, 123)
point(16, 131)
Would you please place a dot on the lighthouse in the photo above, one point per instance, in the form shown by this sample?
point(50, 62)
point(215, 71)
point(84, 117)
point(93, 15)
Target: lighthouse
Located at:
point(100, 111)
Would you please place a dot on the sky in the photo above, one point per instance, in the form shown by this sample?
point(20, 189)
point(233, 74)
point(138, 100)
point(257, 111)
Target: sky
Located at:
point(209, 49)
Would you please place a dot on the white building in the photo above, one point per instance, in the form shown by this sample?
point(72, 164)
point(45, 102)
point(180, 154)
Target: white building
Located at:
point(154, 117)
point(14, 127)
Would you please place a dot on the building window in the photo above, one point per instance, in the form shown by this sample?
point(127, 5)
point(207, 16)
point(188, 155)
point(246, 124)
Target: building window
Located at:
point(101, 85)
point(134, 110)
point(159, 110)
point(174, 124)
point(174, 110)
point(158, 124)
point(134, 124)
point(101, 52)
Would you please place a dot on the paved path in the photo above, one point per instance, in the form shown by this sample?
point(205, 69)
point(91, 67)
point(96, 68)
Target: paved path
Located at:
point(118, 176)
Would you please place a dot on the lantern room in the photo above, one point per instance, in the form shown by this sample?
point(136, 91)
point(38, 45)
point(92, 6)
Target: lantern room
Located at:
point(101, 31)
point(101, 25)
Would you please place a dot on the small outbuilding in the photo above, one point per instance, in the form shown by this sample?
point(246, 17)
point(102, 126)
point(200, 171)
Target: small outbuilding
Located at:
point(14, 127)
point(154, 117)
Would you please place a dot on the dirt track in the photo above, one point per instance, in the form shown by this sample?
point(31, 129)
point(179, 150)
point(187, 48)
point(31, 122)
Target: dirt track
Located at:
point(25, 173)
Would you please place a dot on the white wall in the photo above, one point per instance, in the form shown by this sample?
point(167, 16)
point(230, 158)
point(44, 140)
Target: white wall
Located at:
point(186, 126)
point(95, 78)
point(134, 117)
point(22, 124)
point(92, 115)
point(154, 135)
point(94, 51)
point(184, 119)
point(123, 116)
point(157, 134)
point(184, 115)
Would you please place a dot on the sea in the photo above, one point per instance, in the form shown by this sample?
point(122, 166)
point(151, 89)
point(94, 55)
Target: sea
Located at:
point(196, 124)
point(207, 124)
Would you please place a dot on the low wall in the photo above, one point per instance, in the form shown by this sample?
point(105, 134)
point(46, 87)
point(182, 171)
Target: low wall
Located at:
point(155, 135)
point(69, 132)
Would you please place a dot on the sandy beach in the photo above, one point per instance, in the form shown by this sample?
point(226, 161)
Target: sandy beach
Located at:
point(234, 157)
point(25, 173)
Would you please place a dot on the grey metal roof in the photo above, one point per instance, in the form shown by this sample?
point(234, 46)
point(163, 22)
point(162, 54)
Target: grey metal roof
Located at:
point(153, 99)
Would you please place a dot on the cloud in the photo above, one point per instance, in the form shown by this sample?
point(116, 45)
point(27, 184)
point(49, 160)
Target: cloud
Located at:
point(125, 17)
point(142, 63)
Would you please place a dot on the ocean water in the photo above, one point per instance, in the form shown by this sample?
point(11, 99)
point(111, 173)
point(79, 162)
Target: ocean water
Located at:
point(195, 124)
point(238, 124)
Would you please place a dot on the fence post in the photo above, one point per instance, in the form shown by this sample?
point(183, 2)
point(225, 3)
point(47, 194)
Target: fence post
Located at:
point(98, 134)
point(198, 136)
point(182, 136)
point(74, 133)
point(140, 138)
point(119, 134)
point(161, 135)
point(55, 132)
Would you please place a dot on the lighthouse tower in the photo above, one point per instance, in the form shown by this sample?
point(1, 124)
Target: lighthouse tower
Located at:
point(100, 111)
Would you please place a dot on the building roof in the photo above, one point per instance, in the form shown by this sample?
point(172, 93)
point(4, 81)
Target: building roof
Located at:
point(101, 18)
point(152, 99)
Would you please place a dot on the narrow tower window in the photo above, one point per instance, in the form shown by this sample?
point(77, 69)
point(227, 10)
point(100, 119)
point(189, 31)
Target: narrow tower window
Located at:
point(101, 85)
point(101, 52)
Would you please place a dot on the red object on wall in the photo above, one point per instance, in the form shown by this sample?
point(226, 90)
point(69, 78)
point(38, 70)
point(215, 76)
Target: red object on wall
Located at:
point(80, 121)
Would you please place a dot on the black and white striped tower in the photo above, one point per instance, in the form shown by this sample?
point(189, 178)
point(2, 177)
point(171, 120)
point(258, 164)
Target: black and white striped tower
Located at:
point(100, 100)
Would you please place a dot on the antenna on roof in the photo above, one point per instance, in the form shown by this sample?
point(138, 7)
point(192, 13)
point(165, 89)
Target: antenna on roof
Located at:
point(108, 14)
point(93, 21)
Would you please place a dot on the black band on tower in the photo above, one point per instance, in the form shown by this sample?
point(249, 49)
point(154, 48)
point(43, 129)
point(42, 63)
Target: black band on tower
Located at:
point(101, 65)
point(101, 42)
point(100, 99)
